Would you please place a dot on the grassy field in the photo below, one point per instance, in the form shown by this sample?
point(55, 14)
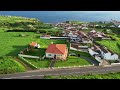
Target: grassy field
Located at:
point(39, 63)
point(15, 22)
point(13, 19)
point(111, 45)
point(72, 61)
point(11, 43)
point(88, 76)
point(10, 65)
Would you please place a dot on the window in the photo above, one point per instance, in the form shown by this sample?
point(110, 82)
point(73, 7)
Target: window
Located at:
point(49, 54)
point(59, 55)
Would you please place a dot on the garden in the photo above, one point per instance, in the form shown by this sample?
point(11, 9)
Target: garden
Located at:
point(71, 61)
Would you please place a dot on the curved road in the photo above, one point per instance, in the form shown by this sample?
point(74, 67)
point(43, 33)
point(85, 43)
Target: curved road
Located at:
point(39, 74)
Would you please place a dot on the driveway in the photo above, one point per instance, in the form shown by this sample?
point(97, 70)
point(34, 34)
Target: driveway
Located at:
point(52, 63)
point(95, 62)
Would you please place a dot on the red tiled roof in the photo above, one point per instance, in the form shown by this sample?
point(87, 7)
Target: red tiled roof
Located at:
point(33, 44)
point(56, 48)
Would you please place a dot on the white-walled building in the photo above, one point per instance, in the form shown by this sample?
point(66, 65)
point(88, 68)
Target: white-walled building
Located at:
point(57, 51)
point(103, 53)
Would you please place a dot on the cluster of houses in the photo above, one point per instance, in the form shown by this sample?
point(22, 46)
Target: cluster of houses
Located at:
point(68, 26)
point(93, 35)
point(116, 23)
point(77, 37)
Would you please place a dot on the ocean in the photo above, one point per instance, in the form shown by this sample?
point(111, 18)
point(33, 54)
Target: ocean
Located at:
point(61, 16)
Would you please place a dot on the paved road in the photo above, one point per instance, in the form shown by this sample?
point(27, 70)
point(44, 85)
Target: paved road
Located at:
point(39, 74)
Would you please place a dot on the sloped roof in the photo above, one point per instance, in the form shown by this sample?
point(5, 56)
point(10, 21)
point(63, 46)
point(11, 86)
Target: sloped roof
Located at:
point(56, 48)
point(33, 44)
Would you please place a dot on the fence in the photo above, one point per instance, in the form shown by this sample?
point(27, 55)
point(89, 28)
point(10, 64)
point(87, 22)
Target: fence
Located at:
point(74, 66)
point(28, 63)
point(113, 64)
point(28, 56)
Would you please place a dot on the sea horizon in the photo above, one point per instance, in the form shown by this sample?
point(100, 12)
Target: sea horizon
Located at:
point(61, 16)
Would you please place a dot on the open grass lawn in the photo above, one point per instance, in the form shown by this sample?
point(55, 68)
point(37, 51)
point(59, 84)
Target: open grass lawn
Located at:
point(11, 43)
point(72, 61)
point(10, 65)
point(89, 76)
point(45, 42)
point(39, 63)
point(111, 45)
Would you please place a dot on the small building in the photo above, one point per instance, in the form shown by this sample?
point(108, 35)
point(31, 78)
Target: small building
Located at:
point(34, 45)
point(57, 51)
point(45, 36)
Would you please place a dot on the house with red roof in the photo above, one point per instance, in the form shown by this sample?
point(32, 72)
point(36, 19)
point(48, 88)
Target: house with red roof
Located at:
point(34, 45)
point(57, 51)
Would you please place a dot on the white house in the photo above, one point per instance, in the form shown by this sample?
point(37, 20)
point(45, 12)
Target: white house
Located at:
point(92, 52)
point(103, 53)
point(57, 51)
point(108, 55)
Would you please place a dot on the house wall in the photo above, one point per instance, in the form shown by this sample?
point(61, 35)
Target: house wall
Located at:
point(58, 56)
point(108, 56)
point(86, 41)
point(92, 52)
point(70, 34)
point(52, 55)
